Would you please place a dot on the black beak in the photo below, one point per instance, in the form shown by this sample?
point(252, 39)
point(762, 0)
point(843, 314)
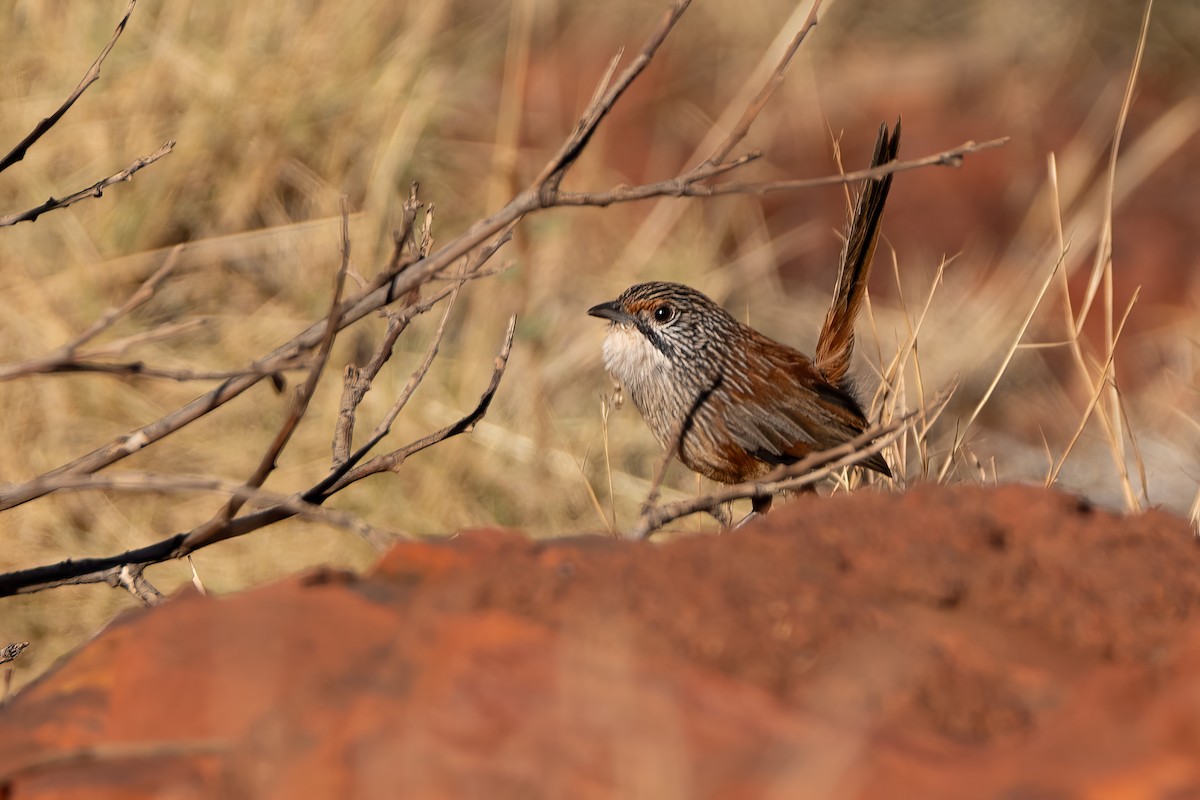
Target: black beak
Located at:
point(610, 311)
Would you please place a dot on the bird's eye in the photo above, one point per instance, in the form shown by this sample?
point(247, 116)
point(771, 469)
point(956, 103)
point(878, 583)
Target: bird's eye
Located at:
point(664, 313)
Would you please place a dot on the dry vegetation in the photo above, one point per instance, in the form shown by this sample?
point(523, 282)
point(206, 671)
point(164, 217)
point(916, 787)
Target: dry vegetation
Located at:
point(280, 110)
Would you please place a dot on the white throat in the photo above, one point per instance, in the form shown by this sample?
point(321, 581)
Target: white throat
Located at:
point(631, 359)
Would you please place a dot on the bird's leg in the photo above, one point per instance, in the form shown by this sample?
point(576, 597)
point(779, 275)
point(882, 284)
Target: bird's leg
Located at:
point(759, 506)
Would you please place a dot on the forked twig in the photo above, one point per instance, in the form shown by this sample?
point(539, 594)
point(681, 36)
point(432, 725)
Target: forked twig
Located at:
point(392, 461)
point(300, 399)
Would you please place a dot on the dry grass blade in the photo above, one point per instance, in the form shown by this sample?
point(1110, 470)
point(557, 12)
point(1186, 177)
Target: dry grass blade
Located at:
point(1102, 267)
point(960, 435)
point(92, 75)
point(1101, 382)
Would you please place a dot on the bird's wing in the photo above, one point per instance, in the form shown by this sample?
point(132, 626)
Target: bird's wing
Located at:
point(803, 414)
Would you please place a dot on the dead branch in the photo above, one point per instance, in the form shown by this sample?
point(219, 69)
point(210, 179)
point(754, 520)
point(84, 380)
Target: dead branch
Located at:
point(689, 185)
point(95, 190)
point(144, 292)
point(304, 393)
point(114, 570)
point(306, 505)
point(134, 369)
point(93, 75)
point(392, 461)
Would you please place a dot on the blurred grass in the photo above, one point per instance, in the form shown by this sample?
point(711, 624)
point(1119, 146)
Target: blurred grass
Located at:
point(279, 108)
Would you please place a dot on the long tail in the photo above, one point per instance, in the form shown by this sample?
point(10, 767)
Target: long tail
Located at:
point(836, 342)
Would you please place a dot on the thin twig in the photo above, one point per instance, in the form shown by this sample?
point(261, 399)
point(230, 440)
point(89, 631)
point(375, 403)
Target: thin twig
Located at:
point(109, 570)
point(144, 292)
point(548, 181)
point(95, 190)
point(414, 380)
point(93, 75)
point(304, 393)
point(764, 95)
point(688, 186)
point(397, 325)
point(392, 461)
point(134, 369)
point(278, 507)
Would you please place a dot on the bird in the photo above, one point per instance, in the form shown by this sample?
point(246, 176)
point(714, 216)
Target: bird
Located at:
point(732, 403)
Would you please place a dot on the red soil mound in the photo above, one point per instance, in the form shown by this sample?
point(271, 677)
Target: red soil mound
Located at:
point(939, 644)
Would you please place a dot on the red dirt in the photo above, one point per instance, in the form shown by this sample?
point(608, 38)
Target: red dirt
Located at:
point(942, 643)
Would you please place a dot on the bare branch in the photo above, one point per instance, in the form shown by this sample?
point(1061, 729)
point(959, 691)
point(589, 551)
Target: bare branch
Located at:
point(548, 181)
point(93, 75)
point(688, 185)
point(50, 365)
point(278, 507)
point(95, 190)
point(110, 570)
point(392, 461)
point(414, 380)
point(356, 382)
point(304, 393)
point(139, 297)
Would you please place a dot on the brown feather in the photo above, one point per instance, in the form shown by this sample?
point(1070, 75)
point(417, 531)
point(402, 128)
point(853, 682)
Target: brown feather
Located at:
point(835, 345)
